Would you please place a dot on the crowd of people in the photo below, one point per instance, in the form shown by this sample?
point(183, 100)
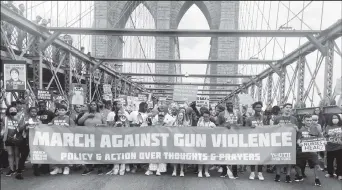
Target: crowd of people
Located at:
point(19, 118)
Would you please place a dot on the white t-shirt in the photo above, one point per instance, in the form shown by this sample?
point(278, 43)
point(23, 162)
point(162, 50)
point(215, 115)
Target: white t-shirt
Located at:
point(168, 120)
point(133, 117)
point(206, 124)
point(111, 116)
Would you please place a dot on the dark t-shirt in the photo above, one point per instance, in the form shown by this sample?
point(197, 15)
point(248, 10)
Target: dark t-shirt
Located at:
point(285, 120)
point(333, 134)
point(255, 121)
point(45, 116)
point(305, 132)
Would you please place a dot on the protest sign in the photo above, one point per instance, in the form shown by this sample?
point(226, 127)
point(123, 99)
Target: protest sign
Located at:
point(107, 92)
point(15, 74)
point(335, 135)
point(78, 95)
point(106, 145)
point(313, 144)
point(202, 101)
point(44, 95)
point(184, 93)
point(142, 97)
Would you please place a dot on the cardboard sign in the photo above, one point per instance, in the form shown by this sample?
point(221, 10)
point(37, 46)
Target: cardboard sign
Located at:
point(313, 145)
point(44, 95)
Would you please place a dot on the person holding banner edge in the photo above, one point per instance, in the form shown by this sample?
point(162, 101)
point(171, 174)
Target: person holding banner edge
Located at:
point(333, 133)
point(256, 121)
point(285, 118)
point(307, 131)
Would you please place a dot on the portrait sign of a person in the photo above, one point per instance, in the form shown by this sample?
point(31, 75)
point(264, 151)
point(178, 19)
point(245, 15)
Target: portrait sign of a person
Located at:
point(15, 75)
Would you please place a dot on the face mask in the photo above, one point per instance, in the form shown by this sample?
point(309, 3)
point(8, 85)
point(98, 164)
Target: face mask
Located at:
point(335, 121)
point(13, 113)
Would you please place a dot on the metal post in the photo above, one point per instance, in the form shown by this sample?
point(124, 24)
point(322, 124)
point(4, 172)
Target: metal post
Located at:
point(40, 66)
point(301, 76)
point(329, 66)
point(252, 92)
point(269, 89)
point(282, 85)
point(259, 90)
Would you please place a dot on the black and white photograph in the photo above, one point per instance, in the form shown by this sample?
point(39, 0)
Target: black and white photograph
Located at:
point(171, 95)
point(14, 75)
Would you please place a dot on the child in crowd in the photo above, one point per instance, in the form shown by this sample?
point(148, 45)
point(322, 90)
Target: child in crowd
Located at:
point(61, 120)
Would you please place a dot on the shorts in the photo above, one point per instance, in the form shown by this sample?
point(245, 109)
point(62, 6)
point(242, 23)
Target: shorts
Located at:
point(310, 157)
point(7, 143)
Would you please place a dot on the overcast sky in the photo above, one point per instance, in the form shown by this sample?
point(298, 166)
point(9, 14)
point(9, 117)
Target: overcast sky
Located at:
point(198, 48)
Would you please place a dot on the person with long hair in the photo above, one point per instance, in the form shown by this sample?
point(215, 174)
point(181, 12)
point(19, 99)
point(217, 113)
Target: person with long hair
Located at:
point(10, 132)
point(333, 132)
point(24, 149)
point(179, 122)
point(92, 118)
point(120, 121)
point(113, 116)
point(205, 122)
point(157, 167)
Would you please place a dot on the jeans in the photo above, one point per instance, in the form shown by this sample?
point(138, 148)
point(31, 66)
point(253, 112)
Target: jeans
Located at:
point(331, 156)
point(24, 150)
point(259, 168)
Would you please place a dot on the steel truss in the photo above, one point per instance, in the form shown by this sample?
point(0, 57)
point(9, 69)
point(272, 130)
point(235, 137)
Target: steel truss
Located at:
point(39, 48)
point(185, 33)
point(326, 37)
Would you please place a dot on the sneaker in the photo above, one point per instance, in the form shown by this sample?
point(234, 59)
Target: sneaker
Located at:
point(110, 172)
point(10, 173)
point(317, 182)
point(99, 172)
point(328, 175)
point(236, 176)
point(158, 173)
point(223, 174)
point(128, 169)
point(66, 171)
point(86, 172)
point(148, 172)
point(288, 179)
point(54, 171)
point(19, 176)
point(260, 176)
point(182, 174)
point(174, 174)
point(116, 172)
point(122, 172)
point(220, 170)
point(134, 169)
point(339, 177)
point(277, 178)
point(299, 178)
point(230, 174)
point(207, 174)
point(252, 176)
point(212, 168)
point(200, 174)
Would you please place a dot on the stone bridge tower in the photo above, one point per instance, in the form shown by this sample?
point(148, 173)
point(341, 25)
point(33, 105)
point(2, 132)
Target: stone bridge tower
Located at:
point(222, 15)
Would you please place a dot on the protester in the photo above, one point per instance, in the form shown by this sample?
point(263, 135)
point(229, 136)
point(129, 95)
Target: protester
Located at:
point(254, 122)
point(228, 119)
point(24, 149)
point(207, 124)
point(120, 121)
point(333, 131)
point(113, 116)
point(321, 119)
point(103, 110)
point(44, 115)
point(179, 122)
point(307, 131)
point(92, 118)
point(11, 136)
point(139, 118)
point(283, 121)
point(77, 111)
